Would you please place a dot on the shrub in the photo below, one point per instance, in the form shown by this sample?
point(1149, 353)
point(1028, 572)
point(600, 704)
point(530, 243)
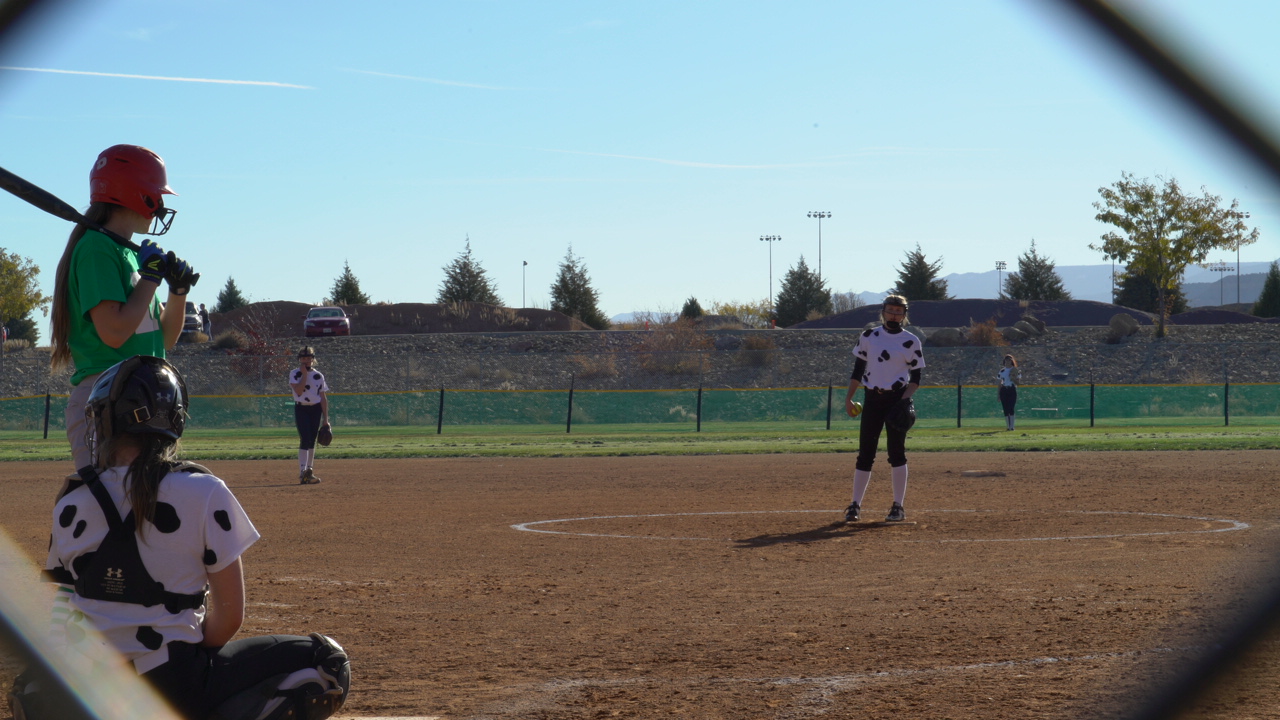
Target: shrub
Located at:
point(589, 367)
point(756, 350)
point(678, 349)
point(16, 344)
point(231, 340)
point(985, 334)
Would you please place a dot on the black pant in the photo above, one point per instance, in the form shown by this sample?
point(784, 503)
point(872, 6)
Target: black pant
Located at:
point(875, 407)
point(307, 418)
point(1008, 398)
point(198, 679)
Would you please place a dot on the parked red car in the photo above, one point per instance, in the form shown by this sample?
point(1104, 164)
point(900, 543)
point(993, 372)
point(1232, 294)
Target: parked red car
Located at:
point(326, 321)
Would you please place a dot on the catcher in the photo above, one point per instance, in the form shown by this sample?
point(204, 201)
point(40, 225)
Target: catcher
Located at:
point(886, 361)
point(152, 548)
point(310, 413)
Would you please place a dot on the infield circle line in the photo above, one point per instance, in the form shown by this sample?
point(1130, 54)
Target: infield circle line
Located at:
point(1233, 525)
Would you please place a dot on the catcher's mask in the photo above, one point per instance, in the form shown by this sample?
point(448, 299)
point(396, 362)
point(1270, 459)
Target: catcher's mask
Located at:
point(133, 177)
point(143, 394)
point(894, 301)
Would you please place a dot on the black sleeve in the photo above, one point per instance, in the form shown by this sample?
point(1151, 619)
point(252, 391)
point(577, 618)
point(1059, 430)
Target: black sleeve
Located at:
point(859, 369)
point(914, 377)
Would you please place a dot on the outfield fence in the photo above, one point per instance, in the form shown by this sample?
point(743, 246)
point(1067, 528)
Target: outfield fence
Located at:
point(1079, 385)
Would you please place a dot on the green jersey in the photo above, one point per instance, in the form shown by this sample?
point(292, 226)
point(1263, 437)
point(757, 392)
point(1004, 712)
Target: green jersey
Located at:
point(102, 270)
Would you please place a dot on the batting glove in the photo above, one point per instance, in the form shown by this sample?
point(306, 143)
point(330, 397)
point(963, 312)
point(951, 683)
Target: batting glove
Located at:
point(152, 263)
point(179, 274)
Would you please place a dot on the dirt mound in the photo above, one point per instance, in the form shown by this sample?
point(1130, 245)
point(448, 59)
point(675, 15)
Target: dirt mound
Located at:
point(1215, 316)
point(282, 318)
point(960, 313)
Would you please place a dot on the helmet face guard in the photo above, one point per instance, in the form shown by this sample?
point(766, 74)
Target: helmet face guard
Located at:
point(133, 177)
point(141, 395)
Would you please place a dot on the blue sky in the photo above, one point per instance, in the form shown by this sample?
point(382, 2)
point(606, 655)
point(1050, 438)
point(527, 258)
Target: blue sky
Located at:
point(660, 140)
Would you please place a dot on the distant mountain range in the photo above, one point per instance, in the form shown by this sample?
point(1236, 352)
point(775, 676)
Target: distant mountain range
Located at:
point(1202, 287)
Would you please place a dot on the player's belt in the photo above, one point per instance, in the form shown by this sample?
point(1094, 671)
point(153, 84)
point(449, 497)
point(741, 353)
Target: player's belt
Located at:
point(880, 391)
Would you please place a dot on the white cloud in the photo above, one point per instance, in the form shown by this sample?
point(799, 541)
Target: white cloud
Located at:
point(159, 77)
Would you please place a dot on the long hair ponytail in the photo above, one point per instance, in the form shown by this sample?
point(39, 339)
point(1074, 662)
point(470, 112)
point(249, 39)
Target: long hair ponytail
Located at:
point(98, 213)
point(156, 456)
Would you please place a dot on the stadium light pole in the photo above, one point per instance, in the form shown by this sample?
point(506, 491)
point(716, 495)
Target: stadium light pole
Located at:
point(1246, 216)
point(819, 214)
point(771, 239)
point(1221, 267)
point(522, 274)
point(1000, 266)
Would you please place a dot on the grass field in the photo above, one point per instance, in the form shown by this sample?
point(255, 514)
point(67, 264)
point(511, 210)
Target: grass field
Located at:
point(677, 439)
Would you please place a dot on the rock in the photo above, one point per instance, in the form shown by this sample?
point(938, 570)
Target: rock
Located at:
point(728, 342)
point(1123, 325)
point(947, 337)
point(1035, 322)
point(1030, 329)
point(1014, 334)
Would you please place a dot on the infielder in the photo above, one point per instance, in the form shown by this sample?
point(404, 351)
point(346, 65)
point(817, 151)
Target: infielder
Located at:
point(163, 584)
point(310, 411)
point(105, 306)
point(886, 361)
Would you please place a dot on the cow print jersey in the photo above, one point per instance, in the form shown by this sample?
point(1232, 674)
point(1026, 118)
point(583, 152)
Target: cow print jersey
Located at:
point(890, 358)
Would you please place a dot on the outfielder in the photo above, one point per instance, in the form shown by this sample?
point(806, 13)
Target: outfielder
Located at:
point(310, 411)
point(886, 361)
point(152, 548)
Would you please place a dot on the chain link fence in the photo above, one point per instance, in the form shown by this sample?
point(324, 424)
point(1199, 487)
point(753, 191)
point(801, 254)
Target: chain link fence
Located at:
point(1075, 383)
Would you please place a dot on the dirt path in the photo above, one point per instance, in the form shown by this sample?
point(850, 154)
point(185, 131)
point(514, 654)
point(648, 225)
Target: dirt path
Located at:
point(726, 587)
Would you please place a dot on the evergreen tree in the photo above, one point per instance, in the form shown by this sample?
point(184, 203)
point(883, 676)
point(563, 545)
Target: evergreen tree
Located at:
point(1135, 290)
point(691, 310)
point(573, 295)
point(465, 281)
point(802, 292)
point(1036, 279)
point(1268, 304)
point(346, 289)
point(918, 278)
point(230, 298)
point(23, 328)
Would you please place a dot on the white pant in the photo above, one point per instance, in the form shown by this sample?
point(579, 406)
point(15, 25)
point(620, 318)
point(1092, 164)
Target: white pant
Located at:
point(77, 427)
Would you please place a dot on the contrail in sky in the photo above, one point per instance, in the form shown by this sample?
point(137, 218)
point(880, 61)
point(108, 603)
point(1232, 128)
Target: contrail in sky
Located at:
point(160, 77)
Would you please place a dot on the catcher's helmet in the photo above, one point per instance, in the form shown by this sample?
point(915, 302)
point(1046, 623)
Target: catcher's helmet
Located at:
point(902, 415)
point(132, 177)
point(143, 394)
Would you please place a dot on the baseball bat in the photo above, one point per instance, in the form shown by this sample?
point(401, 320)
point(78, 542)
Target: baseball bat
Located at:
point(50, 203)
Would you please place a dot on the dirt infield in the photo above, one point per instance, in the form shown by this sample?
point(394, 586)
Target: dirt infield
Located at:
point(726, 587)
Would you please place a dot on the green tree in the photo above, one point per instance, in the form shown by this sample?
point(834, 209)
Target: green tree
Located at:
point(1268, 304)
point(19, 288)
point(918, 278)
point(1162, 230)
point(751, 314)
point(1135, 290)
point(691, 310)
point(229, 298)
point(802, 293)
point(465, 281)
point(346, 289)
point(23, 328)
point(572, 294)
point(1036, 279)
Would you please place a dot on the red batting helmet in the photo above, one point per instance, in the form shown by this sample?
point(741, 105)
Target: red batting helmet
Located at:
point(133, 177)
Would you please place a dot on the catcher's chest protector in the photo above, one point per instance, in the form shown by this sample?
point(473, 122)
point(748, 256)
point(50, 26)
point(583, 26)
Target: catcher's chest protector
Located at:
point(115, 571)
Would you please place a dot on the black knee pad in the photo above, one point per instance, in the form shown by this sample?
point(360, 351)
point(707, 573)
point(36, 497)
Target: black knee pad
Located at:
point(312, 693)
